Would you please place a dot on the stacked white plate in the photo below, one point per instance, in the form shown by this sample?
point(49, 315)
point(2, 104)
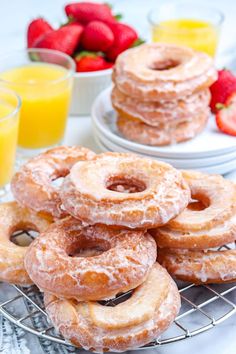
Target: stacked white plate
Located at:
point(211, 151)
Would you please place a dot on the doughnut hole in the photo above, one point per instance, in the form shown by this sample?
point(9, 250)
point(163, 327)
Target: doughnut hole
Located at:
point(117, 300)
point(199, 202)
point(166, 64)
point(57, 179)
point(57, 182)
point(84, 247)
point(23, 236)
point(123, 184)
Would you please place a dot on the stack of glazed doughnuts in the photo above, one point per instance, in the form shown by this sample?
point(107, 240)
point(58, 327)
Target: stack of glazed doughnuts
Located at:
point(98, 237)
point(97, 244)
point(161, 93)
point(191, 245)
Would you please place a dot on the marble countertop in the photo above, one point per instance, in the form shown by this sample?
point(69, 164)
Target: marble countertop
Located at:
point(15, 15)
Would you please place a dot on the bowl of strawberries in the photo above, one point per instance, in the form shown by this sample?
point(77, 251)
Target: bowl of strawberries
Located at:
point(93, 36)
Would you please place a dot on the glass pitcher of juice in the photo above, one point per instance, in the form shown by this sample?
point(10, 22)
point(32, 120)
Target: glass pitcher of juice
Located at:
point(43, 80)
point(10, 104)
point(195, 26)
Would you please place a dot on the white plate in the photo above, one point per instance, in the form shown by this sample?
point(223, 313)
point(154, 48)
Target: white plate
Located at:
point(216, 169)
point(178, 163)
point(209, 143)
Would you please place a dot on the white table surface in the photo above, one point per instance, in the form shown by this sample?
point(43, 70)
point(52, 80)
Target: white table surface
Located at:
point(15, 14)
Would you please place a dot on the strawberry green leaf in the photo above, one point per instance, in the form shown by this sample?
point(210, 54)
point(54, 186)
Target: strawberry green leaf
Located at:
point(86, 53)
point(118, 17)
point(70, 19)
point(220, 106)
point(138, 42)
point(34, 56)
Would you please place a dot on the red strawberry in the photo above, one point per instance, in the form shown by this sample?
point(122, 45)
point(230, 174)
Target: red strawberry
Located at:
point(226, 116)
point(222, 88)
point(36, 29)
point(66, 39)
point(89, 61)
point(125, 37)
point(97, 36)
point(85, 12)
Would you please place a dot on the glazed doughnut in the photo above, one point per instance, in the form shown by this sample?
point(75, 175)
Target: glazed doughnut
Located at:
point(124, 262)
point(216, 193)
point(213, 225)
point(32, 187)
point(154, 113)
point(142, 318)
point(98, 191)
point(165, 133)
point(14, 218)
point(198, 240)
point(200, 267)
point(162, 71)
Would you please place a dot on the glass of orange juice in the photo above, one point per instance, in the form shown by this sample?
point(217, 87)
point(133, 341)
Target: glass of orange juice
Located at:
point(10, 105)
point(182, 23)
point(43, 79)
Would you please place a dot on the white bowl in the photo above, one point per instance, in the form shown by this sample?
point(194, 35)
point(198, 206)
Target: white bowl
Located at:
point(86, 88)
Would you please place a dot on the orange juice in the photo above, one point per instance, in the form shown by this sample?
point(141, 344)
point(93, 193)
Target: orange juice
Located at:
point(45, 98)
point(197, 34)
point(8, 142)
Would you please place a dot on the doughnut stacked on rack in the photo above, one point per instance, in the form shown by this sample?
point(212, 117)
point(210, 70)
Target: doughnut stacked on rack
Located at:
point(161, 93)
point(199, 245)
point(97, 245)
point(98, 236)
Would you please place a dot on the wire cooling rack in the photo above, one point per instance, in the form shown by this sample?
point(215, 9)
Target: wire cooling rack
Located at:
point(203, 307)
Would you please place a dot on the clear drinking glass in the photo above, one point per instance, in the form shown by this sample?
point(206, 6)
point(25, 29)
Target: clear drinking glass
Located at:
point(192, 25)
point(10, 105)
point(43, 79)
